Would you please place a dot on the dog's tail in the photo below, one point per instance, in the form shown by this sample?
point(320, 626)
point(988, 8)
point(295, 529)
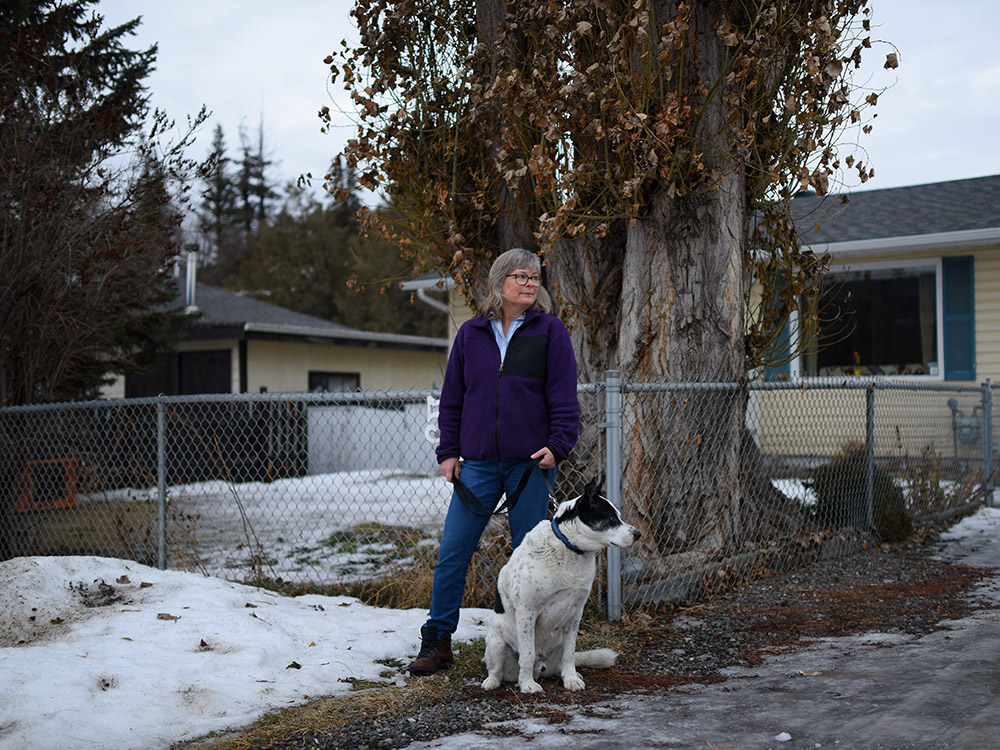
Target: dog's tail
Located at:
point(598, 658)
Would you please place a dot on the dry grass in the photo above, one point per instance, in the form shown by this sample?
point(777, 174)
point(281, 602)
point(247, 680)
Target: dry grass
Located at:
point(121, 528)
point(371, 701)
point(408, 585)
point(366, 704)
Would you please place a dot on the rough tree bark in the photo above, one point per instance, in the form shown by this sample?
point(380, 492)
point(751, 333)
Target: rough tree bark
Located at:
point(667, 290)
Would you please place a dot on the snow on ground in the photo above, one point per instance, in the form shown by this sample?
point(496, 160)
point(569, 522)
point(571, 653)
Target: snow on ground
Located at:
point(219, 527)
point(803, 492)
point(294, 518)
point(796, 490)
point(102, 653)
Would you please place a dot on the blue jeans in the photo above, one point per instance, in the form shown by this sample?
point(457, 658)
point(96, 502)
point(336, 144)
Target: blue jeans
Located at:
point(487, 480)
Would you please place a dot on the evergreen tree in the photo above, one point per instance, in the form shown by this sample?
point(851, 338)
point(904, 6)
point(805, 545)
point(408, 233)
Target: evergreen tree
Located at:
point(219, 215)
point(86, 240)
point(296, 260)
point(312, 258)
point(256, 191)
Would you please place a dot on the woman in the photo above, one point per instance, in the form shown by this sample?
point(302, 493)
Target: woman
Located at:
point(508, 403)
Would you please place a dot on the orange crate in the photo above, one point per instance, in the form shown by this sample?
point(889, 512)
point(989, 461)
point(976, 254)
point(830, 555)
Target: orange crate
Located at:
point(48, 484)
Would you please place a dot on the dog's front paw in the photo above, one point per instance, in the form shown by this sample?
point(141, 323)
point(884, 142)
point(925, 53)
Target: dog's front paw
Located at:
point(574, 682)
point(492, 682)
point(530, 686)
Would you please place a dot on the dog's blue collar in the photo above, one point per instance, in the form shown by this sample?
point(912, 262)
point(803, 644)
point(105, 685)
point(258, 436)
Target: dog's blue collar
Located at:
point(562, 538)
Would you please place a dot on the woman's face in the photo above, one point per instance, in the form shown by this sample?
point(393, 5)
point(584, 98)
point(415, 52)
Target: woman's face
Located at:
point(520, 297)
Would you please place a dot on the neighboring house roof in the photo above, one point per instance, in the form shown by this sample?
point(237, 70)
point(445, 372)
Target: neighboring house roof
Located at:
point(228, 315)
point(220, 307)
point(959, 213)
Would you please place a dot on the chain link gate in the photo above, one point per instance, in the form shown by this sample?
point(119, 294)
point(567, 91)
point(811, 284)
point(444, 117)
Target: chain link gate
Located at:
point(324, 491)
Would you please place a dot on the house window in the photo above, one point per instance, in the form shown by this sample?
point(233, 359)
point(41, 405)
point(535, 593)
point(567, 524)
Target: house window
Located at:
point(880, 320)
point(904, 319)
point(334, 382)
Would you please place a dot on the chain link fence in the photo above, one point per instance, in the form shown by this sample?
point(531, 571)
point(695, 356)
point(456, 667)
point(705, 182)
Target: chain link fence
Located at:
point(734, 481)
point(333, 491)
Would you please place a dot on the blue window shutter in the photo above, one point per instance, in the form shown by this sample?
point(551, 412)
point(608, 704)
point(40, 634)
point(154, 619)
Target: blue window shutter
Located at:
point(781, 347)
point(780, 351)
point(959, 330)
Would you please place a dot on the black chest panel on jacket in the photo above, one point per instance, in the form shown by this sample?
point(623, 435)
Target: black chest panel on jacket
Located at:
point(526, 357)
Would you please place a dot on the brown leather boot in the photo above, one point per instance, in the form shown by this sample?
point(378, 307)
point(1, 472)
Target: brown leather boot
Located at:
point(435, 652)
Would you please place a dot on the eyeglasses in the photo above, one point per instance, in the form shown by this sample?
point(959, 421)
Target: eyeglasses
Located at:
point(522, 280)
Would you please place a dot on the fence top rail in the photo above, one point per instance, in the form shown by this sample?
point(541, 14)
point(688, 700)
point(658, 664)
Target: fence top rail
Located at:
point(417, 395)
point(810, 384)
point(307, 397)
point(317, 399)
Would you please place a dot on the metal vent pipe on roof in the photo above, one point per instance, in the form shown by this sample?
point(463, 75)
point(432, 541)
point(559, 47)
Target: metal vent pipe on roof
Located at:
point(191, 282)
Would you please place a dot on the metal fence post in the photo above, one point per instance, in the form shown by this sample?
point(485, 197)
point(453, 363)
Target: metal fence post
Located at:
point(612, 482)
point(870, 455)
point(988, 443)
point(161, 484)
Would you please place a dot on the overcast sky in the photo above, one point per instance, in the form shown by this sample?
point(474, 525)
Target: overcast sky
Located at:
point(253, 61)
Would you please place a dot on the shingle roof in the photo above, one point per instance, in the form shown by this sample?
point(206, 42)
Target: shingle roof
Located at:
point(227, 315)
point(220, 307)
point(937, 207)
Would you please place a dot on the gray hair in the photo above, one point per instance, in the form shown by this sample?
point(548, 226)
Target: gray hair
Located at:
point(504, 265)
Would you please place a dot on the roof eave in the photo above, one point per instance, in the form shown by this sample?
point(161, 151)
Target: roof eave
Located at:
point(349, 335)
point(964, 239)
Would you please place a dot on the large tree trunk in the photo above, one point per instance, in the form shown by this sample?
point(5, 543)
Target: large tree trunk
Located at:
point(662, 301)
point(684, 269)
point(665, 299)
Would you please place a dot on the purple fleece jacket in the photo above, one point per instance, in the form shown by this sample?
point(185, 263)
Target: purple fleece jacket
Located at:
point(491, 413)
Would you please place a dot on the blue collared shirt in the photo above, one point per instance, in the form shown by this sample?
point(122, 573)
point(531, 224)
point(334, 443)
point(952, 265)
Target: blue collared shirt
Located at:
point(504, 341)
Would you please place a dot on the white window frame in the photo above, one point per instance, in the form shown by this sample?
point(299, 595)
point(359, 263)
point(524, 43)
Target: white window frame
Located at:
point(796, 365)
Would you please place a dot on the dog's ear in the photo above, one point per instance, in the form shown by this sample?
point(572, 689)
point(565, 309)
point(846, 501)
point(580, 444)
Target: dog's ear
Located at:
point(595, 487)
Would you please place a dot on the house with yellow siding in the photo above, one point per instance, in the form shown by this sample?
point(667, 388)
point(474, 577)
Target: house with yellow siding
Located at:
point(915, 272)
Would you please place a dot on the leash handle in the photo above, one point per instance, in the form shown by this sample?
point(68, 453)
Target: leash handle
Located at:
point(476, 507)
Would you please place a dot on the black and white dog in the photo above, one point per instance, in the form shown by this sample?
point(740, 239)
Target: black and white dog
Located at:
point(542, 590)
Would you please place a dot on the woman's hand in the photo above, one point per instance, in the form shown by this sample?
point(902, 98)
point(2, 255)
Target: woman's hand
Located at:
point(548, 458)
point(450, 468)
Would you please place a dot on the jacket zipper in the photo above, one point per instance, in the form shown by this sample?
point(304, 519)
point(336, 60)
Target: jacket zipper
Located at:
point(496, 414)
point(496, 409)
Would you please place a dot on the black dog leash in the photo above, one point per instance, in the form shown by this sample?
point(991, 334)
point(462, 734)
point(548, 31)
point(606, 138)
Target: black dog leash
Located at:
point(473, 504)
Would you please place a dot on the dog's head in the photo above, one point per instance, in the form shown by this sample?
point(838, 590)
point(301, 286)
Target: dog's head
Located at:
point(592, 523)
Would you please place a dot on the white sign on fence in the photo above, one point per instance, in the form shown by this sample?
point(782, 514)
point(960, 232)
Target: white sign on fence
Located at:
point(431, 431)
